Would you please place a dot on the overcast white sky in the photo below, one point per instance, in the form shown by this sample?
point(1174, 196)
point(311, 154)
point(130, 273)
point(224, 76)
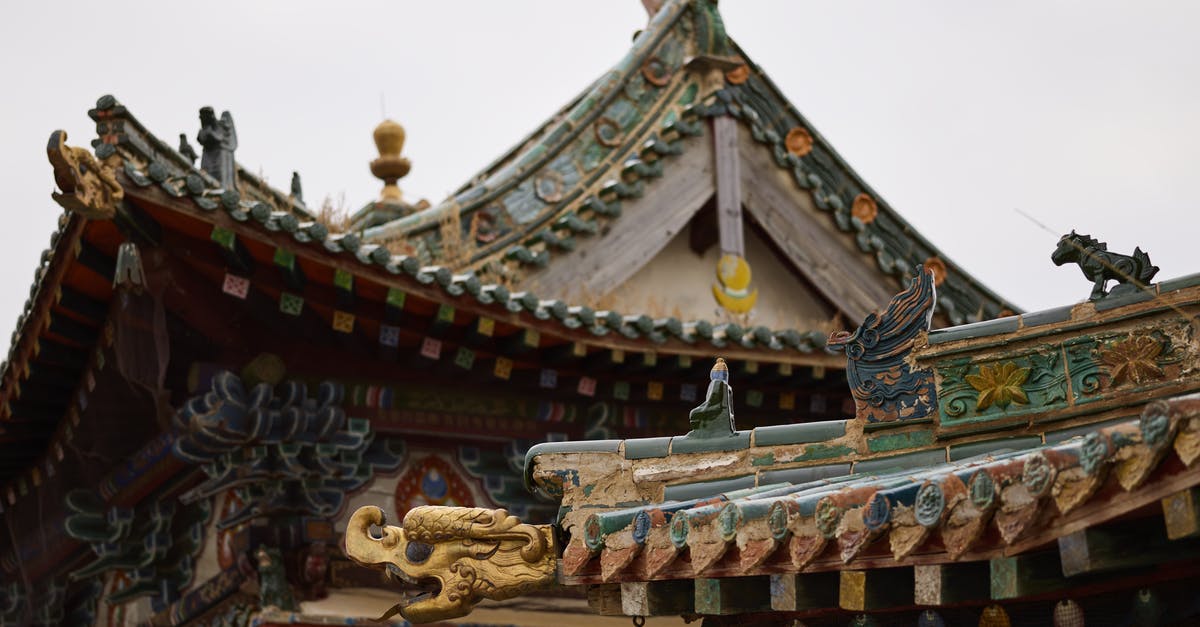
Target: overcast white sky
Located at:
point(1083, 114)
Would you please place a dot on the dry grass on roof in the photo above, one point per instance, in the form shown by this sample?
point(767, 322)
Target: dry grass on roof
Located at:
point(335, 217)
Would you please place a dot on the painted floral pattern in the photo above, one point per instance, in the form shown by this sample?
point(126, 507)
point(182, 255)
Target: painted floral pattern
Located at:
point(999, 385)
point(1133, 360)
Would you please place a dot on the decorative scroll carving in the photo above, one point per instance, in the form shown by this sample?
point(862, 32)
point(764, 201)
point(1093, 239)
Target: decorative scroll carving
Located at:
point(286, 452)
point(884, 383)
point(1100, 266)
point(460, 555)
point(89, 187)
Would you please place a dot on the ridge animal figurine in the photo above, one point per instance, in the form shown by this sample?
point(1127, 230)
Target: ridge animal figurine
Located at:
point(1131, 272)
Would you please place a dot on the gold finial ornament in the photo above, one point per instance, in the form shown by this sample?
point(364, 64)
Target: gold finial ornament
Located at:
point(390, 166)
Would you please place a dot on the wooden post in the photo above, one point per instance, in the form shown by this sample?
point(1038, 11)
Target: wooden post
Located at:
point(729, 186)
point(943, 584)
point(862, 590)
point(1181, 512)
point(794, 593)
point(657, 598)
point(735, 595)
point(1024, 575)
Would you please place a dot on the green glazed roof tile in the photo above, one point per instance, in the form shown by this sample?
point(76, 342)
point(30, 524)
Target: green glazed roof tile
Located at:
point(802, 433)
point(901, 462)
point(685, 491)
point(999, 445)
point(644, 448)
point(1190, 280)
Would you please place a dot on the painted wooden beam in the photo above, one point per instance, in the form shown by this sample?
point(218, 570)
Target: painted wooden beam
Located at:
point(1181, 513)
point(862, 590)
point(1025, 575)
point(943, 584)
point(799, 592)
point(658, 598)
point(734, 595)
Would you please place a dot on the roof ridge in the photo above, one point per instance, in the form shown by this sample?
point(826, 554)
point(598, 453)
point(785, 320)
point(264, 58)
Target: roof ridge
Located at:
point(571, 121)
point(165, 170)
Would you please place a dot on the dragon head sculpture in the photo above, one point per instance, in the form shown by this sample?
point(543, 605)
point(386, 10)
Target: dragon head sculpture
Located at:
point(89, 187)
point(459, 555)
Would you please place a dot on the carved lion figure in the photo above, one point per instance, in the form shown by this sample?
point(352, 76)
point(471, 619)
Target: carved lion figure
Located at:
point(89, 187)
point(455, 555)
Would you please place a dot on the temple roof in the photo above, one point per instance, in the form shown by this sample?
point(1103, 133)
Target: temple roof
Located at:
point(63, 320)
point(979, 442)
point(1030, 494)
point(567, 180)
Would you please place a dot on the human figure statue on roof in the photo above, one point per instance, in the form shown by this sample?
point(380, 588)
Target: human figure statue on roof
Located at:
point(714, 417)
point(219, 139)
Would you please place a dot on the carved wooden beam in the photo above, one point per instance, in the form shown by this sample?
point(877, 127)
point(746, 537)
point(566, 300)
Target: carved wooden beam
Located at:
point(605, 599)
point(1128, 544)
point(735, 595)
point(862, 590)
point(1181, 513)
point(944, 584)
point(796, 593)
point(1026, 575)
point(658, 598)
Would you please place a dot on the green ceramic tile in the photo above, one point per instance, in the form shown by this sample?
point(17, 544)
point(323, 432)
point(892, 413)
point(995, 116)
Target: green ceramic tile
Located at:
point(973, 449)
point(1112, 302)
point(796, 476)
point(819, 450)
point(686, 491)
point(1190, 280)
point(913, 461)
point(1054, 437)
point(897, 441)
point(1047, 316)
point(643, 448)
point(735, 442)
point(802, 433)
point(976, 329)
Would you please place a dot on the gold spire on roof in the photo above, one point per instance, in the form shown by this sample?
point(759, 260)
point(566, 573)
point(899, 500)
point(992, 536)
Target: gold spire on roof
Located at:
point(390, 166)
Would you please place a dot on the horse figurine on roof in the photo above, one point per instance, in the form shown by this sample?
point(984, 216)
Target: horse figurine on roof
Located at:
point(1131, 272)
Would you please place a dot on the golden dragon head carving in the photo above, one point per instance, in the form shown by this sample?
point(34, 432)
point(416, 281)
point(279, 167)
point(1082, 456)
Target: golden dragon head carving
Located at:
point(89, 187)
point(460, 555)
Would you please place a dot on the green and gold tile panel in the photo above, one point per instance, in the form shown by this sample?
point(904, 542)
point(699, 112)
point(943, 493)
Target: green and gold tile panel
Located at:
point(1075, 365)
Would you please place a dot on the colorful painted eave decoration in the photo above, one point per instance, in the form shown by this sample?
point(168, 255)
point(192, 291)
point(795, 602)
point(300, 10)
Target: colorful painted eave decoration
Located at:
point(1027, 498)
point(1051, 365)
point(287, 451)
point(793, 498)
